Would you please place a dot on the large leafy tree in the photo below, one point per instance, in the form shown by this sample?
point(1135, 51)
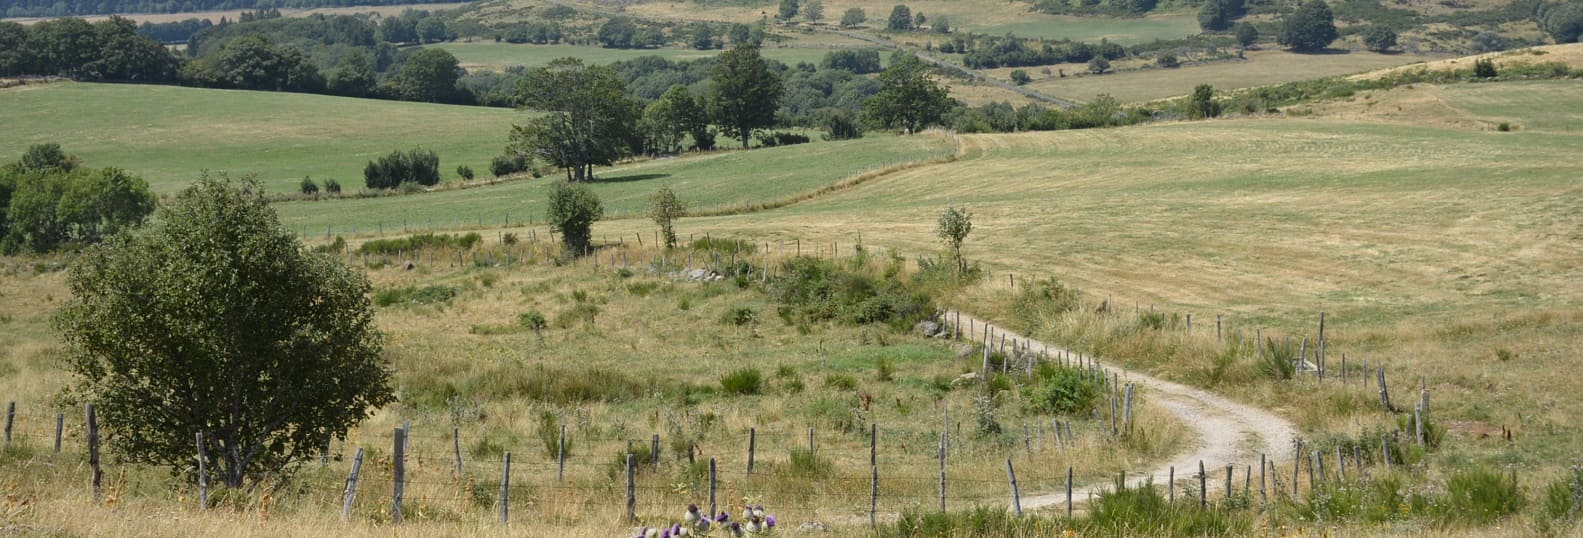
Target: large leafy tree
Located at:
point(589, 120)
point(746, 92)
point(1309, 29)
point(430, 75)
point(47, 200)
point(900, 18)
point(216, 321)
point(1564, 22)
point(669, 120)
point(573, 209)
point(908, 98)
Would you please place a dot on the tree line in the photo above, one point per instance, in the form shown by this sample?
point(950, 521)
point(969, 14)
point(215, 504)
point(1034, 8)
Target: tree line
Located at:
point(48, 200)
point(56, 8)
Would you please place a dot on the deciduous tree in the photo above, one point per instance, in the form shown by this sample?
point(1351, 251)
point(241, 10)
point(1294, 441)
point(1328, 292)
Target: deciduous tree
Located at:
point(746, 92)
point(908, 98)
point(217, 322)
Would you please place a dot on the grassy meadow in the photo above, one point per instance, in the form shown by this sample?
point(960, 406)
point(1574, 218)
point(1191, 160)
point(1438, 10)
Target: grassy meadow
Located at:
point(169, 134)
point(721, 181)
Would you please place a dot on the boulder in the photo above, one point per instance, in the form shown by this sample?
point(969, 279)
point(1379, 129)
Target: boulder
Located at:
point(926, 328)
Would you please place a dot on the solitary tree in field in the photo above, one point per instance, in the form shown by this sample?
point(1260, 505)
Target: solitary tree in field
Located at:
point(853, 17)
point(1379, 38)
point(217, 322)
point(953, 228)
point(788, 10)
point(813, 10)
point(665, 208)
point(1247, 35)
point(1309, 29)
point(430, 75)
point(1203, 104)
point(572, 211)
point(590, 120)
point(746, 92)
point(900, 18)
point(1098, 65)
point(908, 98)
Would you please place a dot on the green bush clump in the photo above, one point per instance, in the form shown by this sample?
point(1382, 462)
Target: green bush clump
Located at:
point(1043, 300)
point(745, 381)
point(1064, 390)
point(806, 463)
point(820, 290)
point(1480, 496)
point(417, 242)
point(414, 295)
point(840, 382)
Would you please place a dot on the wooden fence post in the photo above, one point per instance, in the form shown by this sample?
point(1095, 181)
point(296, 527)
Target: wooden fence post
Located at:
point(873, 444)
point(873, 500)
point(1264, 495)
point(1229, 468)
point(712, 486)
point(505, 489)
point(399, 461)
point(351, 486)
point(560, 456)
point(1385, 449)
point(1385, 395)
point(1128, 416)
point(1203, 487)
point(810, 441)
point(456, 440)
point(60, 427)
point(93, 451)
point(1016, 497)
point(1069, 492)
point(942, 471)
point(752, 441)
point(632, 490)
point(1170, 486)
point(10, 416)
point(203, 475)
point(654, 452)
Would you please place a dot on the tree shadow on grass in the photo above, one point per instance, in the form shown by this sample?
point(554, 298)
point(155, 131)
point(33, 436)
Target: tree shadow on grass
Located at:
point(629, 177)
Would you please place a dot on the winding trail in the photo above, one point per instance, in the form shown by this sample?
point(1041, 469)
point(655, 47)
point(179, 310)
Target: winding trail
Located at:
point(1229, 433)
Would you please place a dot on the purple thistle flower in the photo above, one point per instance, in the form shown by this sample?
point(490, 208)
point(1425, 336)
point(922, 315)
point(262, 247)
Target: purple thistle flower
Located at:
point(736, 529)
point(769, 521)
point(723, 517)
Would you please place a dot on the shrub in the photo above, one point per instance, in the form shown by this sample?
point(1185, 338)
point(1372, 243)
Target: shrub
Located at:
point(1278, 362)
point(840, 382)
point(1563, 502)
point(1484, 68)
point(883, 371)
point(508, 239)
point(745, 381)
point(1379, 38)
point(580, 313)
point(332, 186)
point(1504, 127)
point(413, 243)
point(1168, 61)
point(1042, 301)
point(416, 165)
point(549, 434)
point(466, 172)
point(532, 320)
point(1480, 496)
point(740, 316)
point(782, 138)
point(1020, 77)
point(572, 211)
point(411, 295)
point(308, 186)
point(505, 165)
point(840, 125)
point(1065, 391)
point(819, 290)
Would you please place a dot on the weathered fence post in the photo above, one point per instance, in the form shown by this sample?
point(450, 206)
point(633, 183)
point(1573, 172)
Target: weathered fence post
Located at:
point(942, 472)
point(456, 439)
point(203, 475)
point(1016, 497)
point(632, 490)
point(1069, 492)
point(1170, 486)
point(1203, 486)
point(1385, 449)
point(873, 500)
point(351, 486)
point(1385, 395)
point(60, 427)
point(873, 444)
point(1229, 467)
point(654, 452)
point(93, 451)
point(10, 416)
point(752, 440)
point(712, 485)
point(560, 456)
point(399, 460)
point(1264, 495)
point(505, 489)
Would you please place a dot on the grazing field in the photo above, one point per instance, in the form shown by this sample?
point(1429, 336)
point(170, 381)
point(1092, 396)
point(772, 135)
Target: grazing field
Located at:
point(499, 56)
point(978, 17)
point(169, 134)
point(1260, 68)
point(717, 181)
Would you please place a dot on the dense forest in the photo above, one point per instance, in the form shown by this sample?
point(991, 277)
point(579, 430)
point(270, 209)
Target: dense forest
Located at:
point(62, 8)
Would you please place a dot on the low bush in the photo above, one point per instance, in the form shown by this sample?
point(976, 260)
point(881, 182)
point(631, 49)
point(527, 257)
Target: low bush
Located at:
point(820, 290)
point(1480, 496)
point(413, 243)
point(782, 138)
point(805, 463)
point(1043, 300)
point(745, 381)
point(1064, 390)
point(416, 165)
point(414, 295)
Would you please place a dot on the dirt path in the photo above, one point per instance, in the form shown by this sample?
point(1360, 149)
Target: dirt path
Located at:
point(1229, 433)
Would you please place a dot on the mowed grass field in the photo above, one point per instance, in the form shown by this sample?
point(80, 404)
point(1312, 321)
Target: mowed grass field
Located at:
point(499, 56)
point(1261, 68)
point(724, 180)
point(169, 134)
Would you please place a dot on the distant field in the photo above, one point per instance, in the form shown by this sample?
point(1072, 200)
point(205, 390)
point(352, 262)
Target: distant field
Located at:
point(978, 17)
point(1261, 68)
point(168, 134)
point(498, 56)
point(235, 14)
point(715, 181)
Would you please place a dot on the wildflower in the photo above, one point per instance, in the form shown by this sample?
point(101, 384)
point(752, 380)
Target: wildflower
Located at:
point(736, 529)
point(692, 514)
point(769, 522)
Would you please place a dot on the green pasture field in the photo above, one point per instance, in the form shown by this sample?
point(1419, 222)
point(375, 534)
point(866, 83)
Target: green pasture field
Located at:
point(1259, 69)
point(168, 134)
point(716, 181)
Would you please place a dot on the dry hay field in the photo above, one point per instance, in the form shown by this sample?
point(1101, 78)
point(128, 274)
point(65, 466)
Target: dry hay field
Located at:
point(1262, 67)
